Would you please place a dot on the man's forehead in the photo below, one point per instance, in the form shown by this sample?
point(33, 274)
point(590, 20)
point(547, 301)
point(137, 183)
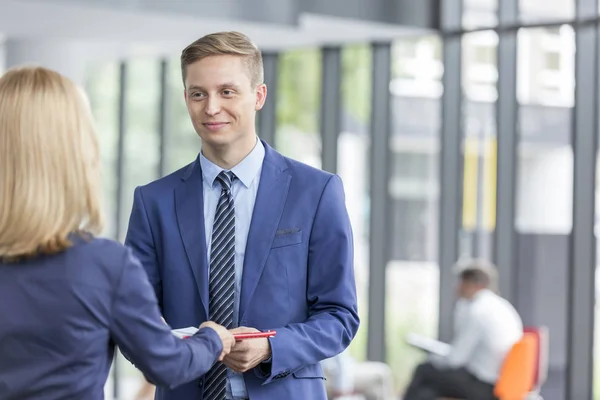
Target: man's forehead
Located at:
point(217, 79)
point(209, 84)
point(217, 63)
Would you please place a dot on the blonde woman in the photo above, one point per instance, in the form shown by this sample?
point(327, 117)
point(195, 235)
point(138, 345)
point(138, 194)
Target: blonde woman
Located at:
point(66, 296)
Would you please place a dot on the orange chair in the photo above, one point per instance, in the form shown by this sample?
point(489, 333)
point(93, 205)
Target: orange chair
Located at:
point(542, 355)
point(517, 376)
point(525, 367)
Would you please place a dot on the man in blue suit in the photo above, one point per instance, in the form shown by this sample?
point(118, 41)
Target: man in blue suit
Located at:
point(247, 238)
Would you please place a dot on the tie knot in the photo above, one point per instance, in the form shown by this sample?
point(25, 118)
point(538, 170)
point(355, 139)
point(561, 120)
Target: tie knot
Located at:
point(225, 178)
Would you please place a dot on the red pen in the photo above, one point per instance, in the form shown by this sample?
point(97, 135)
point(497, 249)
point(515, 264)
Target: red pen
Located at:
point(184, 333)
point(254, 335)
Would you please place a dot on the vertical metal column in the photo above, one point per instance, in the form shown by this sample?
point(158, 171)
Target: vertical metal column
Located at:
point(450, 163)
point(506, 122)
point(581, 289)
point(119, 192)
point(163, 117)
point(267, 116)
point(380, 199)
point(331, 106)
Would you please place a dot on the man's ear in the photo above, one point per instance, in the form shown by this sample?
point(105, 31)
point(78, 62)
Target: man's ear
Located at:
point(261, 96)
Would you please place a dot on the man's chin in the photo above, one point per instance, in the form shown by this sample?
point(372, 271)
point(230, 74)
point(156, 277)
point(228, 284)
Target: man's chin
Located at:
point(224, 139)
point(219, 138)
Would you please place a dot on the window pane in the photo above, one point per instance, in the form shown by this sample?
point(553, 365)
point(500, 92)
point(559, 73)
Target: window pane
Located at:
point(546, 10)
point(102, 86)
point(142, 156)
point(479, 78)
point(353, 167)
point(546, 67)
point(545, 187)
point(596, 365)
point(298, 103)
point(142, 150)
point(141, 159)
point(412, 275)
point(183, 143)
point(479, 14)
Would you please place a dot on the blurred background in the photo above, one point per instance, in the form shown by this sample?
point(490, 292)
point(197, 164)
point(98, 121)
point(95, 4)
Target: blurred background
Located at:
point(459, 127)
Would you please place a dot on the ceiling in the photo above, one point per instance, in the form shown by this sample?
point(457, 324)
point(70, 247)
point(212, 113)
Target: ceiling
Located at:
point(137, 30)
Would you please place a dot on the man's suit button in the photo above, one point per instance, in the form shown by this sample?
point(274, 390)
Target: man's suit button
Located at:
point(281, 375)
point(200, 383)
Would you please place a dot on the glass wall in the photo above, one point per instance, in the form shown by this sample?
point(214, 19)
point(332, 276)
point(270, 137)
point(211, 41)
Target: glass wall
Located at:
point(479, 80)
point(182, 141)
point(141, 156)
point(298, 104)
point(142, 141)
point(102, 88)
point(532, 11)
point(412, 273)
point(543, 57)
point(479, 14)
point(545, 82)
point(353, 167)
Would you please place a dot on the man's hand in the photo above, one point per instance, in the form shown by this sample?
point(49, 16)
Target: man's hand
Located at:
point(247, 353)
point(226, 337)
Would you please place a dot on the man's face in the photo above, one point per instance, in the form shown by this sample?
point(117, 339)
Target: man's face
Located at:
point(467, 289)
point(221, 100)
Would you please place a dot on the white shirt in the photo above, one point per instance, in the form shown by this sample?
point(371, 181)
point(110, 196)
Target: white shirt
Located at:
point(489, 327)
point(461, 309)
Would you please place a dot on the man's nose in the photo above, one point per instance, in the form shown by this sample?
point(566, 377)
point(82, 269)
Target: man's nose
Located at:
point(212, 106)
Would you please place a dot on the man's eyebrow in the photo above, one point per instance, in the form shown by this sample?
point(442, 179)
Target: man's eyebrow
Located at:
point(228, 85)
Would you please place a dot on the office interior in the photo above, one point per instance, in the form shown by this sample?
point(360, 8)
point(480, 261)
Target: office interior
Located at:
point(461, 128)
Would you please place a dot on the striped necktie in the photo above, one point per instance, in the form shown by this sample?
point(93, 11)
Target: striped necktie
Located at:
point(222, 279)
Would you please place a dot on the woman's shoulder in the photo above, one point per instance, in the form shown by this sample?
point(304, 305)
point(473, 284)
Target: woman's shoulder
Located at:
point(88, 243)
point(106, 253)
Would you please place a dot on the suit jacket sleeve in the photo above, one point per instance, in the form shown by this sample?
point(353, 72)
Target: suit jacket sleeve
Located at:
point(331, 292)
point(136, 327)
point(139, 239)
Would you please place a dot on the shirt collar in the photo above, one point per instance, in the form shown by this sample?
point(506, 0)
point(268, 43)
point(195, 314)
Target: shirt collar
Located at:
point(246, 170)
point(481, 293)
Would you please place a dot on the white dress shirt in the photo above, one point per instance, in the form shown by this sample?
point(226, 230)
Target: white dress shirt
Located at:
point(489, 327)
point(461, 309)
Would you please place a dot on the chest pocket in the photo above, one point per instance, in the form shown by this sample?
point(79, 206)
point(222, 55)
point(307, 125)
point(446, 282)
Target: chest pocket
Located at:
point(287, 239)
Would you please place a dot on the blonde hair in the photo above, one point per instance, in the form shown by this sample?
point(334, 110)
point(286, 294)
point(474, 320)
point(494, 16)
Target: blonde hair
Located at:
point(49, 164)
point(225, 43)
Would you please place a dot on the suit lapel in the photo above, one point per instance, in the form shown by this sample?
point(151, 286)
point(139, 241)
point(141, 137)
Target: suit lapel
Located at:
point(189, 207)
point(268, 208)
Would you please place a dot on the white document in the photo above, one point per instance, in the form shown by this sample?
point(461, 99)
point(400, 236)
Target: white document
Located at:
point(428, 344)
point(183, 333)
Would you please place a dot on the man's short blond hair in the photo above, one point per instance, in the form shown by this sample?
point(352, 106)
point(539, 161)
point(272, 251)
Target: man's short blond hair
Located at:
point(49, 164)
point(225, 43)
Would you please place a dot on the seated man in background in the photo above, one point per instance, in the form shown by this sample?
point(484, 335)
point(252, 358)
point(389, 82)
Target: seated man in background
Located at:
point(489, 327)
point(348, 379)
